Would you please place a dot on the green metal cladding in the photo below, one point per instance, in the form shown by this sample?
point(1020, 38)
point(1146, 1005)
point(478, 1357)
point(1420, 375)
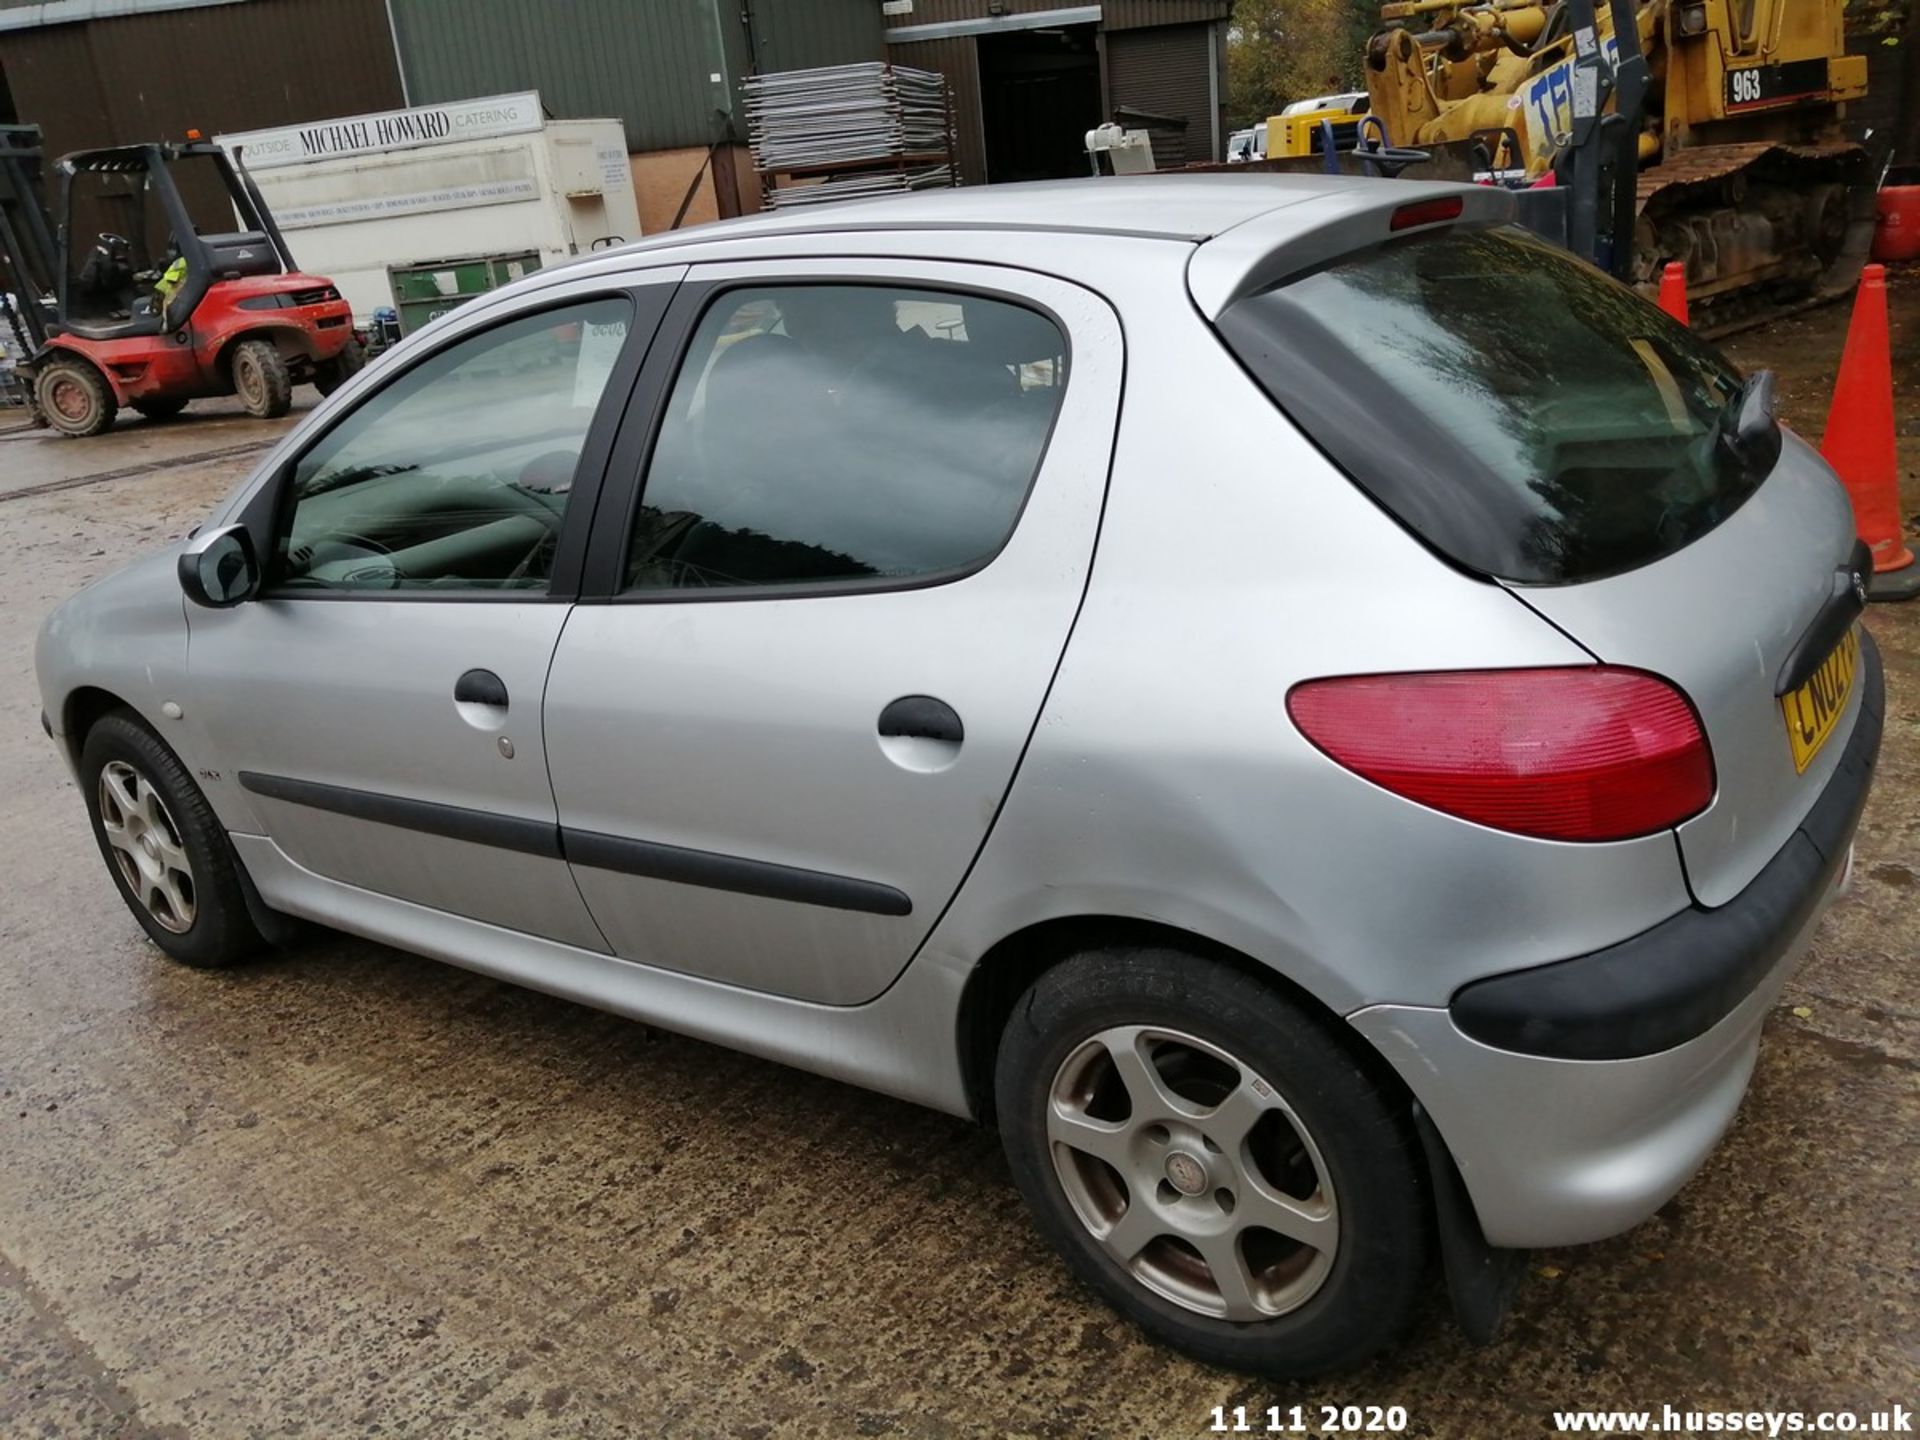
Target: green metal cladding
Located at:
point(646, 62)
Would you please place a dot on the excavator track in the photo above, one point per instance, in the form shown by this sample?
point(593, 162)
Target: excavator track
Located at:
point(1765, 229)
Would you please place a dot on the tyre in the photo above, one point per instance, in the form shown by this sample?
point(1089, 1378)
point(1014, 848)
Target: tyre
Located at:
point(73, 397)
point(1213, 1162)
point(261, 379)
point(330, 375)
point(168, 855)
point(160, 409)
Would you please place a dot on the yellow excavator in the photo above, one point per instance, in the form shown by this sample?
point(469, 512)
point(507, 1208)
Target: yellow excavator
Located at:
point(1732, 117)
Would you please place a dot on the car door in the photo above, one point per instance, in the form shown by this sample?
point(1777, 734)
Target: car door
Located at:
point(378, 704)
point(870, 498)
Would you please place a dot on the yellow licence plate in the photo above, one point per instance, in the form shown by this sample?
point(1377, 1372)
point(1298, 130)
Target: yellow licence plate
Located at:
point(1815, 708)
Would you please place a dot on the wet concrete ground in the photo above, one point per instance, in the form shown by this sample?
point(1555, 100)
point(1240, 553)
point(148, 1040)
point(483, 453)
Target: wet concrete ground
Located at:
point(348, 1191)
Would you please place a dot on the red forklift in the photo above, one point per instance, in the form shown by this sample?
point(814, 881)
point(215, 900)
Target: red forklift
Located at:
point(116, 297)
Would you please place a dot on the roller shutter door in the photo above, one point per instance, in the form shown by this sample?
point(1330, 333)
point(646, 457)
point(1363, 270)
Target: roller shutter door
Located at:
point(1167, 70)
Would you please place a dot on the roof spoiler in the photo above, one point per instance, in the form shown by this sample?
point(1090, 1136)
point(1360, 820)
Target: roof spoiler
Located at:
point(1259, 253)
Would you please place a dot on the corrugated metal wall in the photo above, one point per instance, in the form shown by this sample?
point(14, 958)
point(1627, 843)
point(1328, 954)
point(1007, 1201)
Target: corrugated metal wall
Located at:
point(648, 65)
point(959, 61)
point(800, 34)
point(1168, 70)
point(1115, 14)
point(1180, 36)
point(217, 68)
point(588, 59)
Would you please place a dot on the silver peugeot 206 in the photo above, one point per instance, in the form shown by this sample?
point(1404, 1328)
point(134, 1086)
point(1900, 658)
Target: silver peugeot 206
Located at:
point(1324, 719)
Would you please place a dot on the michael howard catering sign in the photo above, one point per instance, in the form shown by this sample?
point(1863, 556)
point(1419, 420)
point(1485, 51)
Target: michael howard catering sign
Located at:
point(388, 130)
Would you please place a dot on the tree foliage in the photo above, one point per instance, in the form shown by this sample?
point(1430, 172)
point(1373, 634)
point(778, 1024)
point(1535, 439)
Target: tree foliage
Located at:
point(1279, 51)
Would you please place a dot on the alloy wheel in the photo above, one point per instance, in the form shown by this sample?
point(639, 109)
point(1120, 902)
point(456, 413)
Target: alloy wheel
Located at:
point(1193, 1173)
point(146, 845)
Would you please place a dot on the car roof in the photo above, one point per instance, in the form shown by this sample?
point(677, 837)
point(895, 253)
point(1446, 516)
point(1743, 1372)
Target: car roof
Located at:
point(1189, 208)
point(1230, 231)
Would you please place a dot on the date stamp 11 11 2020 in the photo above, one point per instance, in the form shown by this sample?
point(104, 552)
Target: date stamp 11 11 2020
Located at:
point(1308, 1420)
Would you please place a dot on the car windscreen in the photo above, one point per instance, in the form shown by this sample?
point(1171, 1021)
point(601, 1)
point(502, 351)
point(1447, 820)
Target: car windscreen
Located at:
point(1525, 415)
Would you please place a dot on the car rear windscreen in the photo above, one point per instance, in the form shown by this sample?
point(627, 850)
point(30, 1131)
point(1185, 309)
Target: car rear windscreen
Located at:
point(1525, 415)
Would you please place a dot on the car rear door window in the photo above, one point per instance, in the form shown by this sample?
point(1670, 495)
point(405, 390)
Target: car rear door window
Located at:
point(457, 475)
point(1521, 412)
point(833, 435)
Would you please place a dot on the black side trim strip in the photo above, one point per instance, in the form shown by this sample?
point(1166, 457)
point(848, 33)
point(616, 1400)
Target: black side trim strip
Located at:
point(586, 847)
point(455, 822)
point(1675, 982)
point(731, 872)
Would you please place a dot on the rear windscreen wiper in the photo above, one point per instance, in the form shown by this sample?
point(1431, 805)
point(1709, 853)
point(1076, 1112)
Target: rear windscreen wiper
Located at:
point(1749, 426)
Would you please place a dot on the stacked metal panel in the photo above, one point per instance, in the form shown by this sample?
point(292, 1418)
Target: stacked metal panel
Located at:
point(863, 185)
point(869, 129)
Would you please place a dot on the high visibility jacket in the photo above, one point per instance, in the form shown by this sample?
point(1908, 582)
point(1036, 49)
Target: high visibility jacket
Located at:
point(171, 280)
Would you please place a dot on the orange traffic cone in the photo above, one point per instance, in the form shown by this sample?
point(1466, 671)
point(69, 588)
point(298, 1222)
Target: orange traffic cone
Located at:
point(1859, 441)
point(1673, 291)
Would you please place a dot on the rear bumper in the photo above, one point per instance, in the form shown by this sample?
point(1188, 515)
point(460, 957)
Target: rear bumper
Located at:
point(1678, 980)
point(1578, 1097)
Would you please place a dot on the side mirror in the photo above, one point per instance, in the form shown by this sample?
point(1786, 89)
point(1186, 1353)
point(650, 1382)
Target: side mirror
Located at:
point(218, 568)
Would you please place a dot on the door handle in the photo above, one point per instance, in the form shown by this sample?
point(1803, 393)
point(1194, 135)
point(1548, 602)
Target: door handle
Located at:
point(480, 687)
point(922, 717)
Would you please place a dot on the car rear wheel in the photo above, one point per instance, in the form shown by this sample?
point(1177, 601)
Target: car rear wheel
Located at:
point(261, 380)
point(1213, 1162)
point(73, 398)
point(167, 853)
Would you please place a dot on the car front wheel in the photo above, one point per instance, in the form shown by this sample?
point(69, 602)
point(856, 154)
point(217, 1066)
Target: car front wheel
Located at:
point(167, 853)
point(1212, 1161)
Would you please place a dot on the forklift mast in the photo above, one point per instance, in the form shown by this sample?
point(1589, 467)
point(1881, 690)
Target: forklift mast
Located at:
point(1602, 163)
point(29, 257)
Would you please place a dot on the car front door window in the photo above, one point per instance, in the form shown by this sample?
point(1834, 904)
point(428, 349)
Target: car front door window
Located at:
point(456, 476)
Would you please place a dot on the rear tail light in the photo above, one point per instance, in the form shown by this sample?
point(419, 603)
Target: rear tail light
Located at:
point(1588, 753)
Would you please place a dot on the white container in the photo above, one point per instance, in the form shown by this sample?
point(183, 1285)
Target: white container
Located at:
point(358, 196)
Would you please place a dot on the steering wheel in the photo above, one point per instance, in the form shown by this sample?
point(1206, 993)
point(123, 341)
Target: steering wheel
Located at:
point(365, 542)
point(111, 242)
point(361, 554)
point(365, 573)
